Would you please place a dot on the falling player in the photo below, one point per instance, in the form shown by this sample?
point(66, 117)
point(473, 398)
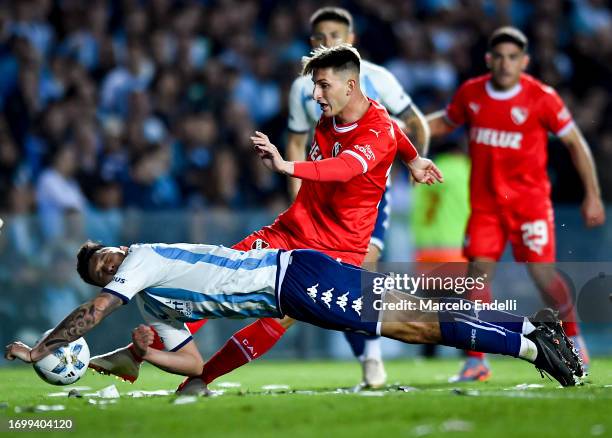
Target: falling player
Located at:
point(344, 178)
point(176, 283)
point(509, 115)
point(329, 27)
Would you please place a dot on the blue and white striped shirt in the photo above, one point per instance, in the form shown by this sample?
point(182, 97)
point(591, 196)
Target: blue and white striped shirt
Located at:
point(189, 282)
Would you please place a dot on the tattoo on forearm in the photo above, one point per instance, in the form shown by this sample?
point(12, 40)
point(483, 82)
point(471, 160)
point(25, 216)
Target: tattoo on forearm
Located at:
point(75, 325)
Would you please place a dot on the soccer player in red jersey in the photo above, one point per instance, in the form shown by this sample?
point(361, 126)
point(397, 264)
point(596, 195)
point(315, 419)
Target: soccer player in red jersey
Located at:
point(509, 115)
point(344, 178)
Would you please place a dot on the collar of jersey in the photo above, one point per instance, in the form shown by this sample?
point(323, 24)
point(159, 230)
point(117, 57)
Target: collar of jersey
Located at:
point(502, 95)
point(343, 128)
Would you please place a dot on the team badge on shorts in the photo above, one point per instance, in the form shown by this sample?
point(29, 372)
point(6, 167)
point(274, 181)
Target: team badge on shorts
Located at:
point(259, 244)
point(519, 114)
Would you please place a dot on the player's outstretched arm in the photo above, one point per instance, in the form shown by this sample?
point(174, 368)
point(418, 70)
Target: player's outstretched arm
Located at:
point(187, 361)
point(418, 129)
point(296, 151)
point(80, 321)
point(439, 125)
point(593, 211)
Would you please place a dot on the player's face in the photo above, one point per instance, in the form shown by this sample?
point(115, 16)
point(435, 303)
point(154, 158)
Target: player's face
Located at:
point(331, 91)
point(506, 61)
point(330, 34)
point(105, 262)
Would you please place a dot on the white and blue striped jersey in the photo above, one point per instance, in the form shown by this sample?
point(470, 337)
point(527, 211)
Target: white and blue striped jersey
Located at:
point(189, 282)
point(376, 82)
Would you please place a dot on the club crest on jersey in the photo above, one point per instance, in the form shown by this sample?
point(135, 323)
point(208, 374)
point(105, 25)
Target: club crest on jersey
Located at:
point(336, 149)
point(519, 114)
point(259, 244)
point(474, 107)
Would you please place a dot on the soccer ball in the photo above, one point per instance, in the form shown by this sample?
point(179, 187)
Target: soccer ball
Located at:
point(65, 365)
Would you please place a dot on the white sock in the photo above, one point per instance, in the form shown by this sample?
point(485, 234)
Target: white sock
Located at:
point(528, 350)
point(372, 349)
point(528, 327)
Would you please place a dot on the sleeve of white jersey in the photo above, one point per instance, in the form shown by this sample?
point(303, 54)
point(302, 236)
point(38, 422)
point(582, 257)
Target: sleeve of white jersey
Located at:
point(298, 117)
point(139, 270)
point(392, 94)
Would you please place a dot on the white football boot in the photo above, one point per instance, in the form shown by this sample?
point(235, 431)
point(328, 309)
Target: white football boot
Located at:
point(120, 363)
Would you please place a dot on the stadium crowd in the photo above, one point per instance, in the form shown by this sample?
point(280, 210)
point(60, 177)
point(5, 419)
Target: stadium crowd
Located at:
point(149, 105)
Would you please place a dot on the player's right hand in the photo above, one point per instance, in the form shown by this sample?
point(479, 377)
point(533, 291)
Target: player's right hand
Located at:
point(142, 337)
point(269, 154)
point(593, 211)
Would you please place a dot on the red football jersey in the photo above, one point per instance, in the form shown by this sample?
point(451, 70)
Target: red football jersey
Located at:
point(341, 216)
point(508, 134)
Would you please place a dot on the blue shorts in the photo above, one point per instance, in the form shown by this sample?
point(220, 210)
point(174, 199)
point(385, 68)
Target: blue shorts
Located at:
point(382, 220)
point(324, 292)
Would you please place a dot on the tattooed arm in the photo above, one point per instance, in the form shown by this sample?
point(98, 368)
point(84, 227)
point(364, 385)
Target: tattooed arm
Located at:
point(80, 321)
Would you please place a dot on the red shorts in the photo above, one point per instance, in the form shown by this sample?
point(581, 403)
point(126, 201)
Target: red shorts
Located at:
point(529, 228)
point(275, 236)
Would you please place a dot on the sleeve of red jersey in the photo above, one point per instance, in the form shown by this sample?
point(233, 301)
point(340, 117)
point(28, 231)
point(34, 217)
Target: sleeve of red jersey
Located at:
point(339, 169)
point(405, 149)
point(456, 110)
point(555, 116)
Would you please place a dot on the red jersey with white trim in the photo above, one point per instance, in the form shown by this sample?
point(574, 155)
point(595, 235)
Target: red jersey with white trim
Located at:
point(508, 134)
point(341, 216)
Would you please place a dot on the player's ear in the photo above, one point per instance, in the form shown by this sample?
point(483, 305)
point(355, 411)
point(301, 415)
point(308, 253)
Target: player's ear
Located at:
point(351, 83)
point(525, 63)
point(351, 38)
point(488, 59)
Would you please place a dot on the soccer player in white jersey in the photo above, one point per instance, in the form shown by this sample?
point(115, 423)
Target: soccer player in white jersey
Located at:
point(331, 26)
point(174, 284)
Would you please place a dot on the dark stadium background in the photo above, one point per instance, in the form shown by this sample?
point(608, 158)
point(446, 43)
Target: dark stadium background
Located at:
point(164, 155)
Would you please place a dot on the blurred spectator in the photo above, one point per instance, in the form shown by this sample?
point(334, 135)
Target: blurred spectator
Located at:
point(57, 191)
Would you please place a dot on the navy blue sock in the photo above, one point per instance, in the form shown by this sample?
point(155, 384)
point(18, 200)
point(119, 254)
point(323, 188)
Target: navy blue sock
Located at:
point(509, 321)
point(357, 342)
point(462, 330)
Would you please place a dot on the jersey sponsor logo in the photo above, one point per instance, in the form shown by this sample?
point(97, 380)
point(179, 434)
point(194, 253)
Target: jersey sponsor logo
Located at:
point(535, 235)
point(519, 114)
point(336, 149)
point(376, 133)
point(259, 244)
point(474, 107)
point(119, 280)
point(315, 152)
point(495, 138)
point(366, 150)
point(183, 307)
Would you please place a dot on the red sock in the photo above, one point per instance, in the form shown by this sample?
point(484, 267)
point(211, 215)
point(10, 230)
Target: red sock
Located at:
point(557, 295)
point(247, 344)
point(485, 295)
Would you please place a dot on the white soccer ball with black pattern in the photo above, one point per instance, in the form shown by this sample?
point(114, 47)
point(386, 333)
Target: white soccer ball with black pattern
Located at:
point(65, 365)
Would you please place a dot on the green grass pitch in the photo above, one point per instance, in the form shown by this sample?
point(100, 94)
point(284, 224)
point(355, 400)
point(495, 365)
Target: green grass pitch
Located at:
point(314, 405)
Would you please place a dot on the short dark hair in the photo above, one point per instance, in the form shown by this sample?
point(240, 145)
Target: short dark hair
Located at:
point(508, 34)
point(87, 250)
point(342, 57)
point(331, 13)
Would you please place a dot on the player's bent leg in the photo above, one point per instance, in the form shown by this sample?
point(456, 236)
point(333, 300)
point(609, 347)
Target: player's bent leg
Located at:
point(247, 344)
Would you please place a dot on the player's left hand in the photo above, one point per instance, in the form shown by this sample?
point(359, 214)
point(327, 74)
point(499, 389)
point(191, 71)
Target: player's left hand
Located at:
point(424, 171)
point(18, 350)
point(593, 211)
point(269, 154)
